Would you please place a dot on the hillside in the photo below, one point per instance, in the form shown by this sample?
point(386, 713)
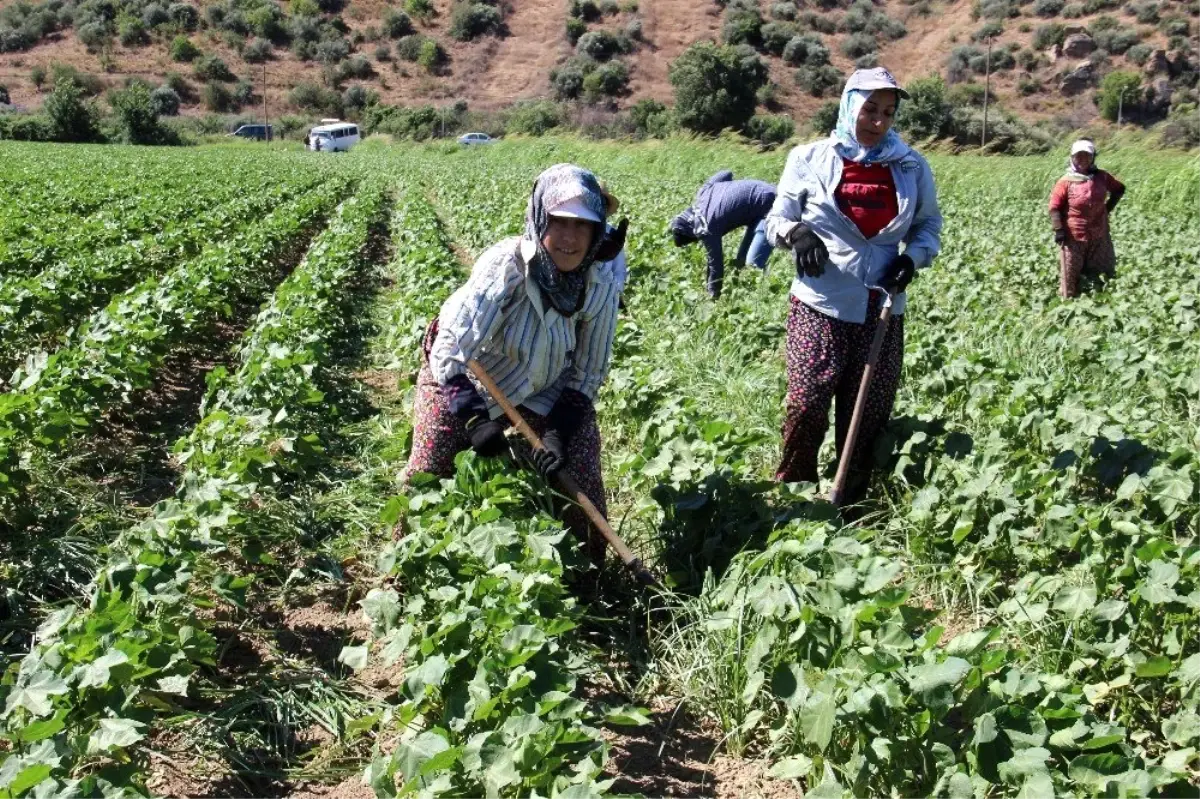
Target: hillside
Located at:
point(330, 47)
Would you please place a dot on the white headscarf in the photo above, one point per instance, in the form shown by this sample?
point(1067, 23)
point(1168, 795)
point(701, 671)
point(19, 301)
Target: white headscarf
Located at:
point(890, 148)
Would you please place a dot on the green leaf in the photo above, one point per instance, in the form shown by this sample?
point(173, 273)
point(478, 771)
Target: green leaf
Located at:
point(816, 720)
point(1159, 586)
point(1109, 610)
point(1097, 770)
point(791, 768)
point(412, 756)
point(1157, 666)
point(1075, 600)
point(27, 778)
point(40, 730)
point(175, 684)
point(928, 677)
point(354, 656)
point(985, 729)
point(115, 732)
point(627, 716)
point(35, 695)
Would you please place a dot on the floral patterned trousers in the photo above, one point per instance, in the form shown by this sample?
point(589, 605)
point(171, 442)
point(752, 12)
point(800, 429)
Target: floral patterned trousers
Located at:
point(825, 362)
point(439, 435)
point(1081, 259)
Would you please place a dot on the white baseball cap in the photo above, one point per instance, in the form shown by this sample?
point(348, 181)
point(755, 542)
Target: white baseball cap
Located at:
point(868, 80)
point(575, 208)
point(1083, 146)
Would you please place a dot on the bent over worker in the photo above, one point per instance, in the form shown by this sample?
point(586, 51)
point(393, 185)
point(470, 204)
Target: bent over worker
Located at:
point(859, 211)
point(723, 204)
point(1080, 204)
point(539, 313)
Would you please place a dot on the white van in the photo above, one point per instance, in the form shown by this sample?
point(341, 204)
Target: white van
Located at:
point(334, 137)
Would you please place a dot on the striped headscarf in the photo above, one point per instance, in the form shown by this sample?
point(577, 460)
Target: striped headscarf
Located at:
point(559, 184)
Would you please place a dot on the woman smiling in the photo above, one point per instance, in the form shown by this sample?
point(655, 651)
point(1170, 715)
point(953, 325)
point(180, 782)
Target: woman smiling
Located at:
point(539, 313)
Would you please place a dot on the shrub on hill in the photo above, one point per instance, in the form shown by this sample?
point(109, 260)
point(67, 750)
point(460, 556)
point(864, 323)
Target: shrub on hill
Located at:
point(396, 24)
point(806, 50)
point(715, 86)
point(771, 130)
point(819, 81)
point(470, 20)
point(212, 68)
point(743, 24)
point(258, 51)
point(184, 50)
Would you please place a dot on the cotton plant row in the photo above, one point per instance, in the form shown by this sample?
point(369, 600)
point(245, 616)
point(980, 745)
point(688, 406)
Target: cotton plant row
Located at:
point(47, 303)
point(54, 212)
point(78, 707)
point(476, 609)
point(117, 350)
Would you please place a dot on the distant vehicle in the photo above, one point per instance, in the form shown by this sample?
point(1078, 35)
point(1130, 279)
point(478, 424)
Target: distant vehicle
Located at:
point(335, 137)
point(475, 138)
point(256, 132)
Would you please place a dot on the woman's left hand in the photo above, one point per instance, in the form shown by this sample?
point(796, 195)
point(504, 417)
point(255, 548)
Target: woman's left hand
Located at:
point(900, 273)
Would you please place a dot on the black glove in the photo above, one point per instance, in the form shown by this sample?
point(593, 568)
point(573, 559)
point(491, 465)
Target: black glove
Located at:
point(1060, 235)
point(900, 273)
point(811, 253)
point(552, 455)
point(487, 437)
point(613, 242)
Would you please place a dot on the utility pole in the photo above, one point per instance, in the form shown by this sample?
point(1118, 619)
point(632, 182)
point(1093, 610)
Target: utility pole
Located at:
point(266, 117)
point(987, 90)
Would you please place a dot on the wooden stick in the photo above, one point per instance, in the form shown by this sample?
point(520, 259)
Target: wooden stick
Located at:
point(564, 479)
point(860, 404)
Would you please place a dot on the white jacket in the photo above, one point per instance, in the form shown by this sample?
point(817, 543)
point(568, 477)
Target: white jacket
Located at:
point(806, 195)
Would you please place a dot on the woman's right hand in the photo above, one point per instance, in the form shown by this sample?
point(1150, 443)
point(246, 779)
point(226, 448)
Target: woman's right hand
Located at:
point(811, 253)
point(1060, 236)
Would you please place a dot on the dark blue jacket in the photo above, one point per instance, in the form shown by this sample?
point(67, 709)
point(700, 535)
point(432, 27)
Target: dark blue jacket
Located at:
point(724, 204)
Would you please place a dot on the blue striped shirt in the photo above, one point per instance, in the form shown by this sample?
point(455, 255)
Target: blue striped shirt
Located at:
point(531, 350)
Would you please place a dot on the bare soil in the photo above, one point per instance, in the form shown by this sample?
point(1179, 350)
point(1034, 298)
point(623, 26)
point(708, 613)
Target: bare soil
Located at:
point(679, 755)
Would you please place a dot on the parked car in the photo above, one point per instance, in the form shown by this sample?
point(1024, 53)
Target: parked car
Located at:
point(256, 132)
point(335, 137)
point(475, 138)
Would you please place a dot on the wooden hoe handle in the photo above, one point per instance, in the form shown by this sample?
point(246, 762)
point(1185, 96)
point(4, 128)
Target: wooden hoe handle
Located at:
point(860, 404)
point(564, 479)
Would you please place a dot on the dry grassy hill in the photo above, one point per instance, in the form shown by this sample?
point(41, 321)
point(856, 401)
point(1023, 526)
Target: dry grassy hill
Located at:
point(494, 71)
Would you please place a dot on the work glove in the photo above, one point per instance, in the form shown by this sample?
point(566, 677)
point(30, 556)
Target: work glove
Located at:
point(1060, 236)
point(811, 253)
point(900, 273)
point(1112, 203)
point(549, 458)
point(487, 437)
point(613, 242)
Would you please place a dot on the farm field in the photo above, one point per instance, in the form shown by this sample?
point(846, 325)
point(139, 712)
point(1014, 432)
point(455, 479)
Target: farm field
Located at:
point(208, 359)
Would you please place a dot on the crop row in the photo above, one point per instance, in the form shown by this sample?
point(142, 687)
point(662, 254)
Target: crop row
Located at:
point(476, 606)
point(50, 210)
point(116, 352)
point(100, 675)
point(39, 306)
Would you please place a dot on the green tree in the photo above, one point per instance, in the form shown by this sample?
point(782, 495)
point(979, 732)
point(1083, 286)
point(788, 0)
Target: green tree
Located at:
point(71, 118)
point(137, 114)
point(716, 86)
point(1120, 91)
point(926, 112)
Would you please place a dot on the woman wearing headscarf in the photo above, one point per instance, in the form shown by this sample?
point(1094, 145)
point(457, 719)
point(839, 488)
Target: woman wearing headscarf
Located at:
point(859, 211)
point(539, 313)
point(1079, 208)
